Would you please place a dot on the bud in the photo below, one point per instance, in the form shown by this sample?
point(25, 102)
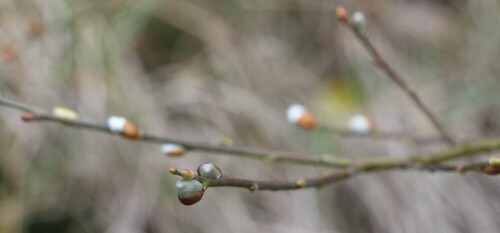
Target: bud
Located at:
point(494, 161)
point(341, 13)
point(358, 20)
point(360, 124)
point(126, 128)
point(35, 27)
point(301, 183)
point(173, 150)
point(228, 142)
point(64, 113)
point(28, 116)
point(8, 52)
point(491, 170)
point(189, 192)
point(186, 174)
point(299, 116)
point(173, 170)
point(254, 187)
point(209, 170)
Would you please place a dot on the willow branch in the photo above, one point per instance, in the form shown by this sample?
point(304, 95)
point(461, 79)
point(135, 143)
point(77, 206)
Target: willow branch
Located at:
point(381, 135)
point(337, 176)
point(470, 149)
point(396, 77)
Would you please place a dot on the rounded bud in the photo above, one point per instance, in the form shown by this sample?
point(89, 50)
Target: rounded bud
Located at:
point(8, 52)
point(28, 116)
point(131, 131)
point(35, 27)
point(189, 192)
point(116, 123)
point(173, 150)
point(64, 113)
point(494, 161)
point(226, 142)
point(172, 170)
point(491, 170)
point(358, 20)
point(209, 170)
point(301, 183)
point(186, 174)
point(121, 125)
point(300, 116)
point(360, 124)
point(254, 187)
point(341, 13)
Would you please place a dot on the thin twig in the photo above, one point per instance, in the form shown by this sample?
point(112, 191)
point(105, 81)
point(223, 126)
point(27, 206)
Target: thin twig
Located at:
point(336, 176)
point(469, 149)
point(396, 77)
point(381, 135)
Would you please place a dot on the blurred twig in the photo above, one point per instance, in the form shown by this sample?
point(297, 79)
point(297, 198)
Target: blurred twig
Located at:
point(270, 156)
point(380, 135)
point(393, 74)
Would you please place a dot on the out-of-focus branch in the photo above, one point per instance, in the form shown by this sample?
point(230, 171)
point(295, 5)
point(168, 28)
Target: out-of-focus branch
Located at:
point(381, 135)
point(271, 156)
point(359, 126)
point(393, 74)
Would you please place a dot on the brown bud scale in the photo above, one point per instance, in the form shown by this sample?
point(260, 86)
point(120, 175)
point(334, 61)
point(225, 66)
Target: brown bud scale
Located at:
point(131, 131)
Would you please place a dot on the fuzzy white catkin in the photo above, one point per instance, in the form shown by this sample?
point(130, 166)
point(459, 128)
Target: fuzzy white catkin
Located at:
point(116, 123)
point(358, 20)
point(295, 112)
point(170, 148)
point(360, 124)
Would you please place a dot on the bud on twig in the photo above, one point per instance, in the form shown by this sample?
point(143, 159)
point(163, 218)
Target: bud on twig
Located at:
point(8, 52)
point(126, 128)
point(226, 142)
point(189, 192)
point(358, 20)
point(64, 113)
point(35, 27)
point(494, 161)
point(173, 150)
point(209, 170)
point(301, 183)
point(27, 116)
point(173, 170)
point(341, 13)
point(360, 124)
point(186, 174)
point(299, 116)
point(491, 170)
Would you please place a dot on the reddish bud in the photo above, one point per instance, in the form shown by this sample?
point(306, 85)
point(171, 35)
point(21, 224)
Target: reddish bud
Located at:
point(8, 52)
point(28, 117)
point(307, 121)
point(189, 192)
point(131, 131)
point(300, 116)
point(341, 13)
point(491, 170)
point(35, 27)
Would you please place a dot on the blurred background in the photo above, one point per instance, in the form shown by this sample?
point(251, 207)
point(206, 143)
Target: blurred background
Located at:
point(204, 70)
